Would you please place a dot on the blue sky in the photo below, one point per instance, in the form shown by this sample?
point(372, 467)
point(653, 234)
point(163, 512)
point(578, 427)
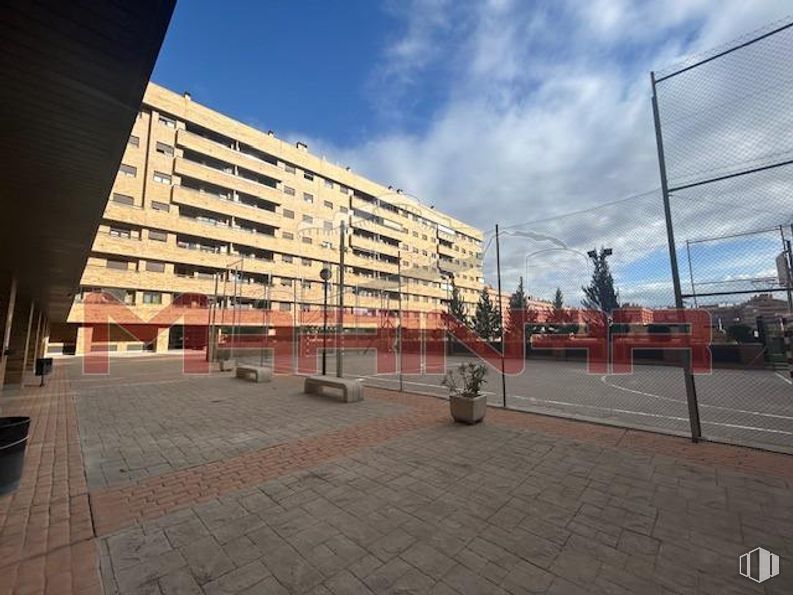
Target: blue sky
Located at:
point(496, 111)
point(302, 66)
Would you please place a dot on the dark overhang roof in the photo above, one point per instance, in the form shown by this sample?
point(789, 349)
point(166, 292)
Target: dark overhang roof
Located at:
point(72, 77)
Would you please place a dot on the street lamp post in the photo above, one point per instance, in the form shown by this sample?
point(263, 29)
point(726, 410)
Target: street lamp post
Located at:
point(325, 274)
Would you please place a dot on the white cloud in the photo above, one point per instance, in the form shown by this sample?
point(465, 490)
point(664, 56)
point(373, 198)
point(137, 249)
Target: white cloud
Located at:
point(546, 111)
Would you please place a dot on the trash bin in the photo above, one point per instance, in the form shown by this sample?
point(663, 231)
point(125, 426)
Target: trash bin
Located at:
point(13, 440)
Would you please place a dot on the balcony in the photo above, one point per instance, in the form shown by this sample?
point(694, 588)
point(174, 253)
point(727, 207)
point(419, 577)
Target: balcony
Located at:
point(100, 276)
point(212, 202)
point(373, 245)
point(196, 142)
point(185, 167)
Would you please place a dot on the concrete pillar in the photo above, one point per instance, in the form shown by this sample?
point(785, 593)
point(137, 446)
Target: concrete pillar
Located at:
point(35, 346)
point(7, 305)
point(162, 339)
point(84, 338)
point(19, 340)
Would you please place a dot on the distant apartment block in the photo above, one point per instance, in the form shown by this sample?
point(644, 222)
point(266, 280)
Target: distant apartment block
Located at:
point(201, 199)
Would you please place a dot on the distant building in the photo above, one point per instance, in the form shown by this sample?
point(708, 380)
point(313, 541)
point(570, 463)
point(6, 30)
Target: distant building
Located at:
point(761, 305)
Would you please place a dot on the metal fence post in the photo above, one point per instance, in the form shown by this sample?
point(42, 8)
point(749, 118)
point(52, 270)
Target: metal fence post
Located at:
point(691, 391)
point(501, 315)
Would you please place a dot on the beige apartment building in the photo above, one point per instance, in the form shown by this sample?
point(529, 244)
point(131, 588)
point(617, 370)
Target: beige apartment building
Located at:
point(202, 201)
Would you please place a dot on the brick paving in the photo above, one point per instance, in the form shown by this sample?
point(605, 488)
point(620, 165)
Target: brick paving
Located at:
point(288, 493)
point(46, 532)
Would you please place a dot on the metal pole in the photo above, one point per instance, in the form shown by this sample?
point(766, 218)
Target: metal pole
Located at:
point(340, 333)
point(324, 326)
point(399, 316)
point(501, 315)
point(234, 318)
point(688, 376)
point(691, 273)
point(295, 327)
point(786, 251)
point(264, 322)
point(211, 323)
point(790, 272)
point(223, 302)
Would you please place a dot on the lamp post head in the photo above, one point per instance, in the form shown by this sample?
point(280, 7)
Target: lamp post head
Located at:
point(325, 273)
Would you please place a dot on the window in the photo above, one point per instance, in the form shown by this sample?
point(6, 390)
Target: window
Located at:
point(287, 235)
point(288, 214)
point(164, 149)
point(327, 244)
point(155, 267)
point(328, 226)
point(308, 176)
point(344, 210)
point(286, 258)
point(289, 190)
point(160, 206)
point(309, 198)
point(152, 297)
point(128, 170)
point(308, 241)
point(166, 121)
point(162, 178)
point(306, 262)
point(123, 199)
point(308, 219)
point(121, 265)
point(286, 282)
point(159, 236)
point(328, 204)
point(328, 184)
point(133, 140)
point(342, 189)
point(290, 169)
point(285, 307)
point(120, 232)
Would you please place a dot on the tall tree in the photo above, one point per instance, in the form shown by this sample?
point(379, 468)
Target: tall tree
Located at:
point(518, 305)
point(600, 294)
point(557, 306)
point(487, 318)
point(456, 308)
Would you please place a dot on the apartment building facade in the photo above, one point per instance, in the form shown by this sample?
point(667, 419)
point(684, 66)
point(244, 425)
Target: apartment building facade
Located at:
point(206, 205)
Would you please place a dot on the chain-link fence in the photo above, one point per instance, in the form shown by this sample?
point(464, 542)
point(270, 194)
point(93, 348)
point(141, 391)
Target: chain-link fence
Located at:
point(726, 154)
point(613, 324)
point(724, 128)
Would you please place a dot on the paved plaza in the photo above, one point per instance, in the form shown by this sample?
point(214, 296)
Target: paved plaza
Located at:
point(147, 480)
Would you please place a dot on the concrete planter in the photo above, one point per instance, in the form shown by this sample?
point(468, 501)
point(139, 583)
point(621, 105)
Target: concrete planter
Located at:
point(468, 410)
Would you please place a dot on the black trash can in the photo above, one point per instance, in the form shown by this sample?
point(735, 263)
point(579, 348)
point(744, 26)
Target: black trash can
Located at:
point(13, 440)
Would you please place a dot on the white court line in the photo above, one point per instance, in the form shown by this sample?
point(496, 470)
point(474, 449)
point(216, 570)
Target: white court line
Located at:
point(628, 411)
point(645, 394)
point(709, 423)
point(788, 380)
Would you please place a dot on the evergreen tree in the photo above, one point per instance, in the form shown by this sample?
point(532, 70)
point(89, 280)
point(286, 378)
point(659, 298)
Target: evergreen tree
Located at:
point(518, 306)
point(557, 306)
point(456, 307)
point(487, 319)
point(600, 294)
